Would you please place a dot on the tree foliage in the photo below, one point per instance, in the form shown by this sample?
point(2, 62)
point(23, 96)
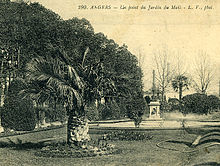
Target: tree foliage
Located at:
point(195, 103)
point(214, 102)
point(66, 56)
point(173, 104)
point(179, 84)
point(200, 103)
point(18, 113)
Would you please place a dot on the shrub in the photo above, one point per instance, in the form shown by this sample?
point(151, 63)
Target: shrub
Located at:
point(125, 135)
point(173, 104)
point(136, 106)
point(17, 113)
point(164, 107)
point(56, 114)
point(195, 103)
point(110, 110)
point(213, 102)
point(200, 103)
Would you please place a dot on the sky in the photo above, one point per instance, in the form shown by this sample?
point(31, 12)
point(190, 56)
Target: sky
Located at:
point(184, 32)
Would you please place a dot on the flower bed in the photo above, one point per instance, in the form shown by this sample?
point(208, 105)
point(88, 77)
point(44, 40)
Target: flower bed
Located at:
point(127, 135)
point(61, 149)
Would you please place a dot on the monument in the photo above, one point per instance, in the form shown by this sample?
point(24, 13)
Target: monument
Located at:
point(154, 104)
point(154, 110)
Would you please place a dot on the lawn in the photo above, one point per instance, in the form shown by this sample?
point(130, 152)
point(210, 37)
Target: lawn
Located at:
point(132, 152)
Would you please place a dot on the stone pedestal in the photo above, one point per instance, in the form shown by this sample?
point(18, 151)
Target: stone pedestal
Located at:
point(154, 110)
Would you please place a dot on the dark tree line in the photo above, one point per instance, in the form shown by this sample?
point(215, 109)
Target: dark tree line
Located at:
point(66, 62)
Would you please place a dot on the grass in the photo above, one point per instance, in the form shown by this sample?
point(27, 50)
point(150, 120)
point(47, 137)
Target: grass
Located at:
point(21, 150)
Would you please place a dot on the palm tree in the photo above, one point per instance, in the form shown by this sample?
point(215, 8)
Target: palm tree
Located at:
point(49, 78)
point(179, 84)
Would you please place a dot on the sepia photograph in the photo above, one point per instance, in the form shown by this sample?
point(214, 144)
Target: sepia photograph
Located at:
point(109, 83)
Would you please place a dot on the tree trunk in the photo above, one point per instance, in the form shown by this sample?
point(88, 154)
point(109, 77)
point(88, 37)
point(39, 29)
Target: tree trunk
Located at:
point(3, 90)
point(162, 100)
point(180, 94)
point(77, 131)
point(2, 93)
point(180, 97)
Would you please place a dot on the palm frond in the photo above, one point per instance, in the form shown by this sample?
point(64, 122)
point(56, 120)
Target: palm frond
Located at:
point(75, 77)
point(52, 79)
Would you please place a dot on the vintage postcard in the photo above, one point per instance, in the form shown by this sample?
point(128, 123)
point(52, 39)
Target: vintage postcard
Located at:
point(110, 82)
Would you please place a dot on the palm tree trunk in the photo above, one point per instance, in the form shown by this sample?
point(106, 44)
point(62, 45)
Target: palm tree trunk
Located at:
point(77, 130)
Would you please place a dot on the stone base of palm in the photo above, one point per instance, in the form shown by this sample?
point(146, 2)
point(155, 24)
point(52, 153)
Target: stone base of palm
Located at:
point(77, 131)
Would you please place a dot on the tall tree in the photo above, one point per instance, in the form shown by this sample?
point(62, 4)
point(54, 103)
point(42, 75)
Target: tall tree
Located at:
point(203, 74)
point(24, 31)
point(164, 72)
point(129, 83)
point(67, 61)
point(60, 77)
